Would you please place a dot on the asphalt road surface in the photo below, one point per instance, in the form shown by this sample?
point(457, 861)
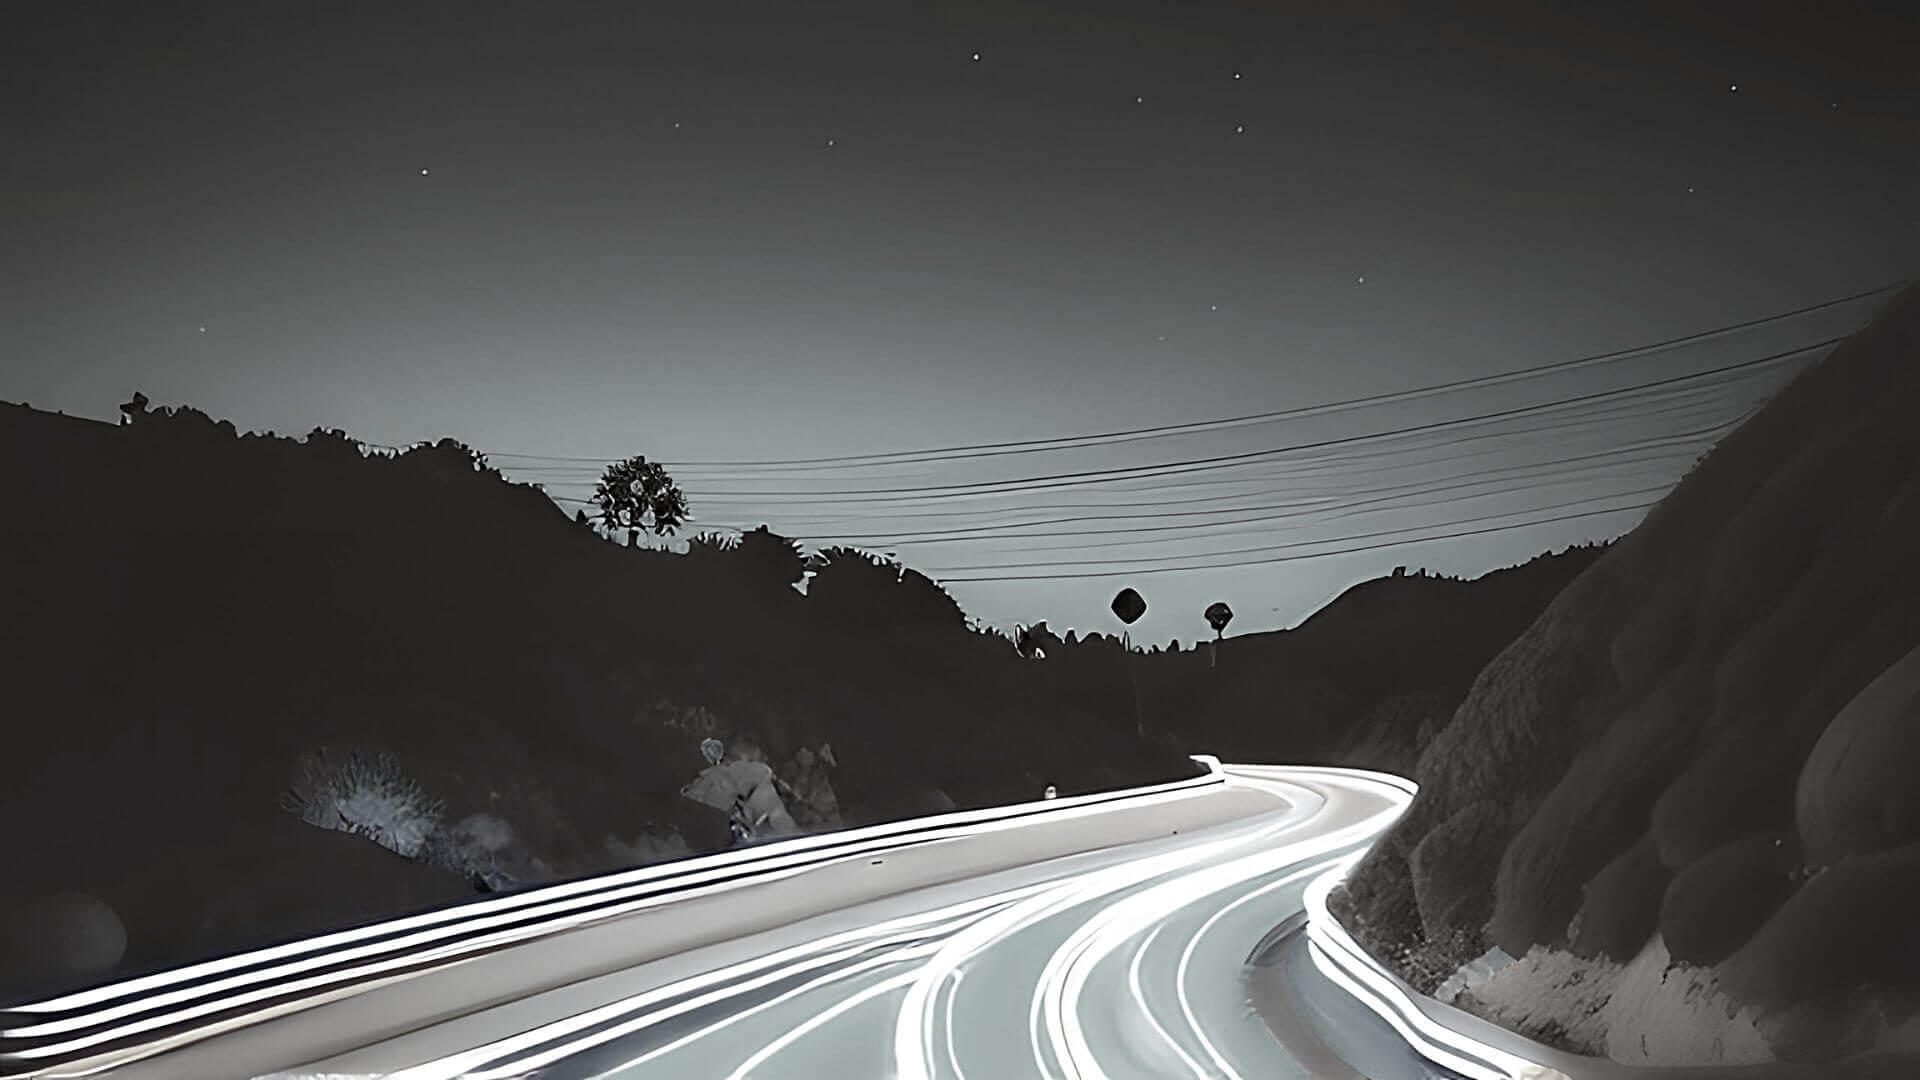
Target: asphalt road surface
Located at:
point(1125, 961)
point(1104, 935)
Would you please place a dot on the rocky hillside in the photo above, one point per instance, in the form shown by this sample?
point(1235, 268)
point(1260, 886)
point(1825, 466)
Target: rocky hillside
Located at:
point(1686, 791)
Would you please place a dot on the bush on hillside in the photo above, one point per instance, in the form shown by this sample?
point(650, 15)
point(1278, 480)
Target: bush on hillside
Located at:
point(368, 795)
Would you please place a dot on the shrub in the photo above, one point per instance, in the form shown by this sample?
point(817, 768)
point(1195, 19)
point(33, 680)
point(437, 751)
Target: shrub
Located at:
point(366, 795)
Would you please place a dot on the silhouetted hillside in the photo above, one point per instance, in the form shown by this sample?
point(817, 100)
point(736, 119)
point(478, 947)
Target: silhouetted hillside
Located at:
point(207, 630)
point(1364, 681)
point(226, 654)
point(1685, 797)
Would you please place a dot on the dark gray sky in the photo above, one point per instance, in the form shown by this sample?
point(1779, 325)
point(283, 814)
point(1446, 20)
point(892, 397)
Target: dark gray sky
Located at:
point(721, 231)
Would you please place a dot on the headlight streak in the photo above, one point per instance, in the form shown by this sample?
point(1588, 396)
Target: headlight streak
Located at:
point(888, 960)
point(913, 1059)
point(892, 959)
point(1140, 1003)
point(498, 1057)
point(1065, 1038)
point(1049, 1012)
point(315, 982)
point(546, 920)
point(1347, 965)
point(1338, 975)
point(1156, 905)
point(1133, 903)
point(768, 1051)
point(953, 1051)
point(466, 913)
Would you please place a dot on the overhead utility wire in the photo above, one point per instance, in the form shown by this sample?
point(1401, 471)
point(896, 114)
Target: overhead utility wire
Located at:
point(1134, 434)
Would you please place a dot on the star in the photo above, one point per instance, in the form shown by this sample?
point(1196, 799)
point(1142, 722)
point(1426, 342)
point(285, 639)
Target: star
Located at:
point(976, 58)
point(1213, 307)
point(423, 172)
point(829, 142)
point(1689, 191)
point(1239, 129)
point(1236, 75)
point(1361, 280)
point(1733, 88)
point(1139, 101)
point(203, 329)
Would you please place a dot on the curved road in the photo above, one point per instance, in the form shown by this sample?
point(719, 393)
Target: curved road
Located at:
point(1126, 961)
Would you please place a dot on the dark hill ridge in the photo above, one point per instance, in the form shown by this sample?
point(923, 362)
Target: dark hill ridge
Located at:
point(190, 613)
point(198, 621)
point(1366, 680)
point(1673, 753)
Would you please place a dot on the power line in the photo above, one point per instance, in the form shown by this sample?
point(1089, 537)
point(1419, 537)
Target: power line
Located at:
point(1290, 478)
point(589, 478)
point(1345, 506)
point(995, 449)
point(1191, 465)
point(807, 529)
point(1659, 489)
point(938, 575)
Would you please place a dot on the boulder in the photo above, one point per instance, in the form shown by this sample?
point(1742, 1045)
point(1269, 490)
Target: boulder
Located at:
point(1620, 908)
point(745, 783)
point(1847, 926)
point(814, 806)
point(57, 940)
point(1717, 902)
point(1596, 811)
point(720, 786)
point(1452, 864)
point(1857, 792)
point(1741, 783)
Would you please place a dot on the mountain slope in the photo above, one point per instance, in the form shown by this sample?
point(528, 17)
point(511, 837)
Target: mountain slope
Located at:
point(1676, 726)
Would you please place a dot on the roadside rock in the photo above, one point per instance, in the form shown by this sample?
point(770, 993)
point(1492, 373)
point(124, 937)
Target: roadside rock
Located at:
point(1715, 904)
point(1741, 784)
point(1848, 926)
point(815, 806)
point(1621, 909)
point(1856, 792)
point(57, 939)
point(1451, 864)
point(647, 847)
point(721, 786)
point(1596, 811)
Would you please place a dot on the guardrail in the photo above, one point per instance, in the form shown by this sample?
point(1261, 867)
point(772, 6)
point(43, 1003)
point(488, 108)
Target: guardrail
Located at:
point(117, 1023)
point(1347, 965)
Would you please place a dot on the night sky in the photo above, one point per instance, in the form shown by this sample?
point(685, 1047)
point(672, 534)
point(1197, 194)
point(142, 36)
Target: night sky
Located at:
point(722, 232)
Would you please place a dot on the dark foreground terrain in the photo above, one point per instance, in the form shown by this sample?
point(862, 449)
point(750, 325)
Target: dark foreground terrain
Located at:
point(1686, 797)
point(257, 687)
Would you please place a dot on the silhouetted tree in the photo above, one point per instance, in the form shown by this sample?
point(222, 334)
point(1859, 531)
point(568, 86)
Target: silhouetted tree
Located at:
point(1128, 606)
point(852, 585)
point(135, 409)
point(768, 560)
point(636, 495)
point(333, 444)
point(711, 545)
point(1218, 616)
point(873, 593)
point(445, 459)
point(924, 604)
